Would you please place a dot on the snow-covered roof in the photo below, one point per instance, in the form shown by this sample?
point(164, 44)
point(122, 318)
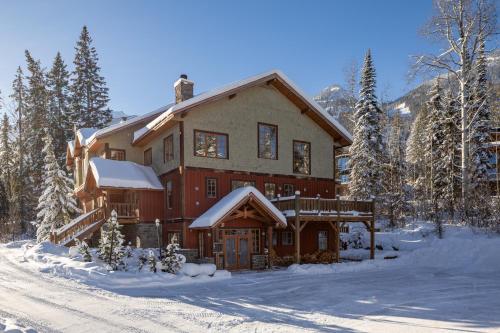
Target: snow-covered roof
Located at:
point(173, 109)
point(130, 122)
point(123, 174)
point(83, 134)
point(230, 202)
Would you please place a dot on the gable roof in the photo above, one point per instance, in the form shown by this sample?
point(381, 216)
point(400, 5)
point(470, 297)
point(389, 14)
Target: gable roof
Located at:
point(123, 174)
point(225, 206)
point(274, 77)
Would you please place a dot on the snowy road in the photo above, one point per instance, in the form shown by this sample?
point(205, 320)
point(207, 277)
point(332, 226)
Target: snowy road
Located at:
point(383, 300)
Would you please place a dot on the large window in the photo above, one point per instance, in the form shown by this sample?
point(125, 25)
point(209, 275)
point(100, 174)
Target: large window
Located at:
point(268, 141)
point(148, 157)
point(287, 238)
point(323, 240)
point(208, 144)
point(117, 154)
point(255, 241)
point(302, 157)
point(211, 188)
point(241, 183)
point(288, 190)
point(270, 190)
point(169, 195)
point(168, 148)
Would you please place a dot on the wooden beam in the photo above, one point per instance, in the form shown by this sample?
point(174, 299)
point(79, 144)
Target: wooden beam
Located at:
point(303, 225)
point(269, 245)
point(231, 96)
point(297, 227)
point(337, 246)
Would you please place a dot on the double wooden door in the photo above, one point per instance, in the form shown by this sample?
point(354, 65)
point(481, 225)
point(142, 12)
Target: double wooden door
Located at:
point(237, 251)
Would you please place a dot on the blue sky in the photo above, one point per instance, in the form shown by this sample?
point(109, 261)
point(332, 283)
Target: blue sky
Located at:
point(145, 45)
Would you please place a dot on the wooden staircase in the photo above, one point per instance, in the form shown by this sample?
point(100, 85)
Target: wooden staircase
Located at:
point(80, 228)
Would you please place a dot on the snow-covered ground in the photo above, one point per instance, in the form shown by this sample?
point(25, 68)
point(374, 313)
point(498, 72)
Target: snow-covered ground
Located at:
point(450, 285)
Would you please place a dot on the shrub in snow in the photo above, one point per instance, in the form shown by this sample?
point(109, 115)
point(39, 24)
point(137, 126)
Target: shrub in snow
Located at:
point(143, 259)
point(172, 260)
point(152, 261)
point(111, 243)
point(82, 248)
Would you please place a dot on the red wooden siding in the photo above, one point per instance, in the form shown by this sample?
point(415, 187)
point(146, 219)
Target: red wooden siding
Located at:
point(151, 205)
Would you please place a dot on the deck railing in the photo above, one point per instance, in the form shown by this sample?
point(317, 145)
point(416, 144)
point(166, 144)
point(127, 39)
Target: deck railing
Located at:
point(318, 205)
point(124, 210)
point(77, 225)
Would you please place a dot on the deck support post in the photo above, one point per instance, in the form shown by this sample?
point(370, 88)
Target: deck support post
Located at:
point(337, 246)
point(297, 227)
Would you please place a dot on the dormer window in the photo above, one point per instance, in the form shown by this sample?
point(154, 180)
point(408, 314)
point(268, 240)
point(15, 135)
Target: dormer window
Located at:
point(148, 157)
point(117, 154)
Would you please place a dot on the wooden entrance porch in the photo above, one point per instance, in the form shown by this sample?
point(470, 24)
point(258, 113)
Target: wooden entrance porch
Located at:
point(337, 213)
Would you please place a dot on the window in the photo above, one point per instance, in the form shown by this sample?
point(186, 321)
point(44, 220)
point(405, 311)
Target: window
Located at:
point(117, 154)
point(241, 183)
point(211, 188)
point(268, 141)
point(288, 190)
point(275, 238)
point(169, 194)
point(287, 238)
point(207, 144)
point(270, 190)
point(255, 241)
point(148, 157)
point(302, 157)
point(342, 171)
point(322, 240)
point(168, 148)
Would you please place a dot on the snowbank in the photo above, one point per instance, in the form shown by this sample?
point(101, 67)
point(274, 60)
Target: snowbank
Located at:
point(54, 259)
point(12, 326)
point(462, 250)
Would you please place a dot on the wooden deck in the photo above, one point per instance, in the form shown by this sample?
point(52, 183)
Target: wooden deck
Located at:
point(337, 213)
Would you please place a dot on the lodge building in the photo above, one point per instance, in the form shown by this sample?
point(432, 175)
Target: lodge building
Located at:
point(239, 175)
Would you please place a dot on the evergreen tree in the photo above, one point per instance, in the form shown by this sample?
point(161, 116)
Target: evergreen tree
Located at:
point(6, 162)
point(366, 151)
point(172, 261)
point(21, 189)
point(111, 243)
point(395, 193)
point(436, 151)
point(56, 205)
point(37, 114)
point(89, 94)
point(60, 120)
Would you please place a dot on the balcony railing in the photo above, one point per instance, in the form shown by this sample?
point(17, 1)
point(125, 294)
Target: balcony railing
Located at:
point(124, 210)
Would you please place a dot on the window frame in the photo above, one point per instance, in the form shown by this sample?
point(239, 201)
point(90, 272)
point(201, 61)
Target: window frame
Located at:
point(207, 194)
point(195, 131)
point(283, 238)
point(258, 141)
point(284, 190)
point(293, 157)
point(265, 190)
point(150, 151)
point(111, 150)
point(170, 157)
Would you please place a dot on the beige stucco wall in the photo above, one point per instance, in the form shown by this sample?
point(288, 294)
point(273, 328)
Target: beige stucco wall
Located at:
point(123, 140)
point(238, 117)
point(159, 165)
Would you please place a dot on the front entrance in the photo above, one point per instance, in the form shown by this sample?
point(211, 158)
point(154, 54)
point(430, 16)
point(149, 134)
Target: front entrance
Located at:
point(237, 249)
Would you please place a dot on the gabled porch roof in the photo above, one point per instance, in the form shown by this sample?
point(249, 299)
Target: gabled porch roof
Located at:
point(244, 202)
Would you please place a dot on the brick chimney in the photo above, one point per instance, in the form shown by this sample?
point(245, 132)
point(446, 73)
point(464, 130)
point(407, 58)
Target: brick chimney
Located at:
point(183, 89)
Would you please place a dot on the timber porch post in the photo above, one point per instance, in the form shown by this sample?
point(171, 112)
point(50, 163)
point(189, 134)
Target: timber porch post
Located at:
point(297, 227)
point(270, 245)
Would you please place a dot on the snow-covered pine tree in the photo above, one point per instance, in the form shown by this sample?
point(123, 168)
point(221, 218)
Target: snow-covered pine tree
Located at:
point(438, 167)
point(89, 94)
point(37, 113)
point(6, 156)
point(111, 243)
point(416, 153)
point(172, 260)
point(366, 152)
point(21, 187)
point(60, 119)
point(56, 205)
point(152, 261)
point(395, 189)
point(479, 131)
